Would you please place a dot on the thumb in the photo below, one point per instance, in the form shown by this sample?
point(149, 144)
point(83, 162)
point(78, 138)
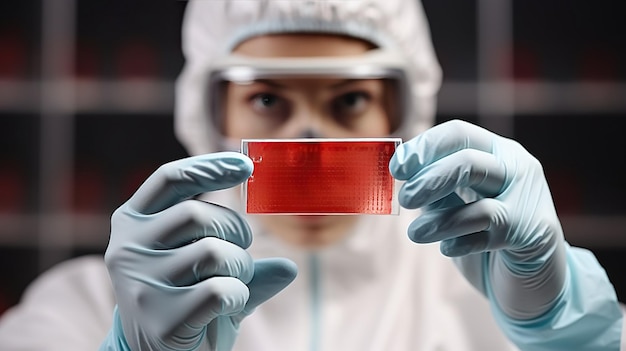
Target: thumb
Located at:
point(271, 275)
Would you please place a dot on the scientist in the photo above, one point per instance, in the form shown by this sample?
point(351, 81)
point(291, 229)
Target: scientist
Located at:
point(486, 267)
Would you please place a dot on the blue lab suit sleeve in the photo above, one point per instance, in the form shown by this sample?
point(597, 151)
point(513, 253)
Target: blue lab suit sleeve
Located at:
point(115, 340)
point(585, 317)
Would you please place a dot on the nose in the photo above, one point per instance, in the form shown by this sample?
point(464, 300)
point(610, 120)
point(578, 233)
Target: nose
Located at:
point(310, 132)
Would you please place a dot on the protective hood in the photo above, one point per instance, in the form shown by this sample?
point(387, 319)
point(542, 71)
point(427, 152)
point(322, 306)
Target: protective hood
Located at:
point(212, 28)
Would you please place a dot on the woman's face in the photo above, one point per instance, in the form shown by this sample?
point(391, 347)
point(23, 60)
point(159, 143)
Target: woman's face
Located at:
point(291, 108)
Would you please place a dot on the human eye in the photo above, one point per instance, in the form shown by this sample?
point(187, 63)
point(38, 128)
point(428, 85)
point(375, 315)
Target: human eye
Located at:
point(268, 104)
point(350, 104)
point(264, 100)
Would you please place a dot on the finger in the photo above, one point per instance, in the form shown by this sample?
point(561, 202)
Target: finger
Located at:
point(451, 200)
point(472, 244)
point(212, 298)
point(204, 259)
point(271, 275)
point(189, 221)
point(475, 169)
point(182, 179)
point(438, 142)
point(486, 215)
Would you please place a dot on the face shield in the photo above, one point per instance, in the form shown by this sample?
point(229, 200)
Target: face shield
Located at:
point(367, 95)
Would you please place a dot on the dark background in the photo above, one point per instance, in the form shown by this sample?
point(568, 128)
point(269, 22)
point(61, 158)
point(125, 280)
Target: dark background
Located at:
point(86, 99)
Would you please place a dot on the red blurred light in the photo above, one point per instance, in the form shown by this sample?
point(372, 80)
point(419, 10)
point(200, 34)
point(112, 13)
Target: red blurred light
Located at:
point(321, 176)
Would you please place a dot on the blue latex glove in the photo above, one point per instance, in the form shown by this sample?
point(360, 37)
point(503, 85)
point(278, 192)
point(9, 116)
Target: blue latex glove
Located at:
point(485, 198)
point(182, 277)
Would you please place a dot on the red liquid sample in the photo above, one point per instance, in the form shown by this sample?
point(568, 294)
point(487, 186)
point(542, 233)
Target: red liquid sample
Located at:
point(317, 177)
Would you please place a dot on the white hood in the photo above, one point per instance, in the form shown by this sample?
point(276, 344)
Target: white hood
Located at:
point(212, 28)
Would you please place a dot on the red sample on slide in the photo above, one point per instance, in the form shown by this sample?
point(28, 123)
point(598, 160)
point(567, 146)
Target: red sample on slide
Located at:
point(320, 176)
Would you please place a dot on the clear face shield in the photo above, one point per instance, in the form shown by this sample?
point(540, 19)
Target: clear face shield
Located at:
point(332, 97)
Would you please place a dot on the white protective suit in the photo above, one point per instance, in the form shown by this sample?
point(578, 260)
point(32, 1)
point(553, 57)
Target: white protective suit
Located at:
point(376, 290)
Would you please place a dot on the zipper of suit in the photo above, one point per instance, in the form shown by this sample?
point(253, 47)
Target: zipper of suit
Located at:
point(316, 303)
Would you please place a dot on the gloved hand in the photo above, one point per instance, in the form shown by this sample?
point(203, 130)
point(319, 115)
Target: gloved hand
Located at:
point(182, 277)
point(485, 198)
point(513, 223)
